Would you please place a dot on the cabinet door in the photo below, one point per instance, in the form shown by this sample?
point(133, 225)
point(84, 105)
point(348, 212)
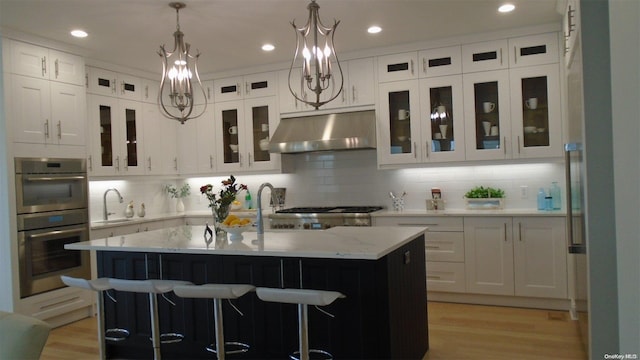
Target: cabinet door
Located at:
point(196, 144)
point(536, 117)
point(258, 85)
point(29, 60)
point(154, 146)
point(261, 121)
point(442, 119)
point(228, 89)
point(206, 154)
point(489, 55)
point(229, 130)
point(102, 82)
point(31, 108)
point(540, 254)
point(533, 50)
point(149, 91)
point(441, 61)
point(68, 110)
point(67, 68)
point(205, 95)
point(286, 101)
point(361, 82)
point(486, 110)
point(131, 140)
point(129, 87)
point(488, 254)
point(398, 123)
point(397, 67)
point(103, 113)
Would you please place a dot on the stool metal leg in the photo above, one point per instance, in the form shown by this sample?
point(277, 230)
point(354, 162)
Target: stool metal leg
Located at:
point(101, 335)
point(303, 313)
point(217, 314)
point(155, 326)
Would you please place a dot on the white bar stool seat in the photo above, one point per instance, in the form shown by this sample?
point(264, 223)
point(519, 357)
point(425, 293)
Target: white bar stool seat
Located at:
point(99, 285)
point(218, 292)
point(303, 298)
point(153, 288)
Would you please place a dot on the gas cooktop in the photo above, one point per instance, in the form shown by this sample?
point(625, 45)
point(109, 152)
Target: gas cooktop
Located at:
point(330, 210)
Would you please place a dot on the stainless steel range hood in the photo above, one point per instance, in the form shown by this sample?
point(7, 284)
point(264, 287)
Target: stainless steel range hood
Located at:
point(343, 131)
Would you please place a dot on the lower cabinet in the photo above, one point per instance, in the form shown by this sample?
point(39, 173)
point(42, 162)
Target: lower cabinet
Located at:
point(522, 256)
point(382, 316)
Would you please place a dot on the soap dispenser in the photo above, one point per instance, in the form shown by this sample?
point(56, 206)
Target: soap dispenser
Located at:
point(541, 201)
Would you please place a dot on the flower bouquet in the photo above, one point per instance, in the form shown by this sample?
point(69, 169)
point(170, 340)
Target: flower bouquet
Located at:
point(220, 203)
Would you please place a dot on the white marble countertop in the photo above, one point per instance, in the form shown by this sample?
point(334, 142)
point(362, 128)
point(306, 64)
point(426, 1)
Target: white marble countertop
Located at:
point(368, 243)
point(465, 212)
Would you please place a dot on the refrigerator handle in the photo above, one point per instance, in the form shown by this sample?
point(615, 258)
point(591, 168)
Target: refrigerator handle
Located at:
point(567, 159)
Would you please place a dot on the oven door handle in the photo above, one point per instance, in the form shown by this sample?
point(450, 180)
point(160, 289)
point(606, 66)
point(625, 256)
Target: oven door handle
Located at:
point(53, 178)
point(57, 232)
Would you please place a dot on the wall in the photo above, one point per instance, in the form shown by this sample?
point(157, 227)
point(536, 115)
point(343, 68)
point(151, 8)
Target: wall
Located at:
point(346, 178)
point(624, 19)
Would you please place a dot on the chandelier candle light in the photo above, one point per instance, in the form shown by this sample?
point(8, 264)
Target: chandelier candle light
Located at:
point(177, 76)
point(315, 52)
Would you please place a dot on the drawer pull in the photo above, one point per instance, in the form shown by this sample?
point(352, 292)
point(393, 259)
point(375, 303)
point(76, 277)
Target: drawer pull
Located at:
point(432, 277)
point(432, 247)
point(410, 224)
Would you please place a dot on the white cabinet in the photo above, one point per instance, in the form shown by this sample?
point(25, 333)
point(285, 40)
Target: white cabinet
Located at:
point(487, 115)
point(398, 124)
point(242, 132)
point(440, 61)
point(442, 122)
point(536, 116)
point(398, 67)
point(160, 146)
point(488, 253)
point(287, 102)
point(523, 256)
point(107, 232)
point(485, 56)
point(150, 89)
point(35, 61)
point(533, 50)
point(196, 144)
point(115, 129)
point(540, 257)
point(111, 83)
point(245, 87)
point(47, 112)
point(358, 86)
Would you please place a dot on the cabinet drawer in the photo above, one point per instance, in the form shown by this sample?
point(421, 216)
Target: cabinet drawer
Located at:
point(397, 67)
point(445, 276)
point(444, 246)
point(533, 50)
point(434, 223)
point(490, 55)
point(442, 61)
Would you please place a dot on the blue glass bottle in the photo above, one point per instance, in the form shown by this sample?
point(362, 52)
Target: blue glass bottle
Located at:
point(555, 196)
point(541, 196)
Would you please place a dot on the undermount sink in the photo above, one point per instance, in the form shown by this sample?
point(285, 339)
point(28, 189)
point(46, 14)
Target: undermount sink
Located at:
point(112, 221)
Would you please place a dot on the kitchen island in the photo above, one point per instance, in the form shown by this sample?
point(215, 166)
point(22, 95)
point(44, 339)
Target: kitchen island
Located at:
point(379, 269)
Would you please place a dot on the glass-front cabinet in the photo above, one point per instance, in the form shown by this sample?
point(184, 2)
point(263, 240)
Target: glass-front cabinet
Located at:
point(535, 111)
point(487, 117)
point(441, 111)
point(399, 123)
point(243, 130)
point(116, 133)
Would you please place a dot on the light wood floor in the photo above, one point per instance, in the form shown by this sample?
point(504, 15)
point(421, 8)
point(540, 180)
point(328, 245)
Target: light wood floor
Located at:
point(456, 331)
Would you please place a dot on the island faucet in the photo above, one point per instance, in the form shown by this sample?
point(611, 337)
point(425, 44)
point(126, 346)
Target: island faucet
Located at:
point(259, 220)
point(105, 213)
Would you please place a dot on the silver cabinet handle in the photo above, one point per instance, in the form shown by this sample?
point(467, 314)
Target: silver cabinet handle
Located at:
point(210, 161)
point(209, 93)
point(44, 65)
point(56, 69)
point(90, 163)
point(415, 150)
point(240, 159)
point(113, 86)
point(518, 144)
point(519, 231)
point(149, 166)
point(86, 80)
point(433, 277)
point(424, 65)
point(505, 232)
point(126, 163)
point(59, 129)
point(411, 66)
point(46, 128)
point(505, 145)
point(118, 163)
point(500, 56)
point(239, 91)
point(122, 87)
point(175, 163)
point(353, 93)
point(427, 148)
point(247, 88)
point(146, 92)
point(432, 247)
point(249, 158)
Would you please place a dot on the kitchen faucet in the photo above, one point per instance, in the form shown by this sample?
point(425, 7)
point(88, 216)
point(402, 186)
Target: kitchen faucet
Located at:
point(259, 220)
point(105, 213)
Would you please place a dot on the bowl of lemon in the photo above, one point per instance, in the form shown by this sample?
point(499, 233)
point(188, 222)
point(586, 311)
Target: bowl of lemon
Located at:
point(235, 226)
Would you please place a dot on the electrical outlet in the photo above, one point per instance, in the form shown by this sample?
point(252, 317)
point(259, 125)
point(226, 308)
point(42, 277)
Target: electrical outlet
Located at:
point(524, 192)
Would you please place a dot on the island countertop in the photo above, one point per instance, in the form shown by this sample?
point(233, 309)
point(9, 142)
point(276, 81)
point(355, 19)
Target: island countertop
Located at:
point(367, 243)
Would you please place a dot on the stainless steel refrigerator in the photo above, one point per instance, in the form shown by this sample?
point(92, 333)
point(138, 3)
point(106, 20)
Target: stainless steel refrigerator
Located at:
point(575, 195)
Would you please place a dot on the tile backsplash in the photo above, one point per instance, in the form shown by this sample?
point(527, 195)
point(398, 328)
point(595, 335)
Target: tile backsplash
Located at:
point(344, 178)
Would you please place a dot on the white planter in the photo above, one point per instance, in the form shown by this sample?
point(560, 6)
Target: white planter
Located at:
point(484, 203)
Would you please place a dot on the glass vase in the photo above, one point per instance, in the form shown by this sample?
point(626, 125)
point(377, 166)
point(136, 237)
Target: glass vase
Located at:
point(219, 214)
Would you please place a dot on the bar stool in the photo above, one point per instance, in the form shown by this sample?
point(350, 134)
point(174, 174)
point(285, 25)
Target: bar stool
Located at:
point(99, 285)
point(218, 292)
point(303, 298)
point(153, 288)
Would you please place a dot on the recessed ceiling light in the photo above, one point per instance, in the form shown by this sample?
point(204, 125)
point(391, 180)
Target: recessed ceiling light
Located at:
point(374, 29)
point(79, 33)
point(506, 8)
point(268, 47)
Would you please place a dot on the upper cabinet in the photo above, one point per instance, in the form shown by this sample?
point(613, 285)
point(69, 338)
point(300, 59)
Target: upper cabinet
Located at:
point(398, 126)
point(110, 83)
point(245, 87)
point(397, 67)
point(358, 84)
point(35, 61)
point(441, 61)
point(196, 144)
point(485, 56)
point(533, 50)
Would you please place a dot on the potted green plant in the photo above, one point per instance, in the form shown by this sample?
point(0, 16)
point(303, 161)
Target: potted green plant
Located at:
point(481, 198)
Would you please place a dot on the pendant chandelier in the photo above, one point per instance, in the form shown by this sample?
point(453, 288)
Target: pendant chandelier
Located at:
point(179, 68)
point(316, 59)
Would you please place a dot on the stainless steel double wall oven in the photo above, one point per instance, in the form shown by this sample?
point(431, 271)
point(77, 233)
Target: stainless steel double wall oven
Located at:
point(52, 210)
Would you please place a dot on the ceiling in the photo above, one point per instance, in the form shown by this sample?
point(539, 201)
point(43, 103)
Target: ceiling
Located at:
point(229, 33)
